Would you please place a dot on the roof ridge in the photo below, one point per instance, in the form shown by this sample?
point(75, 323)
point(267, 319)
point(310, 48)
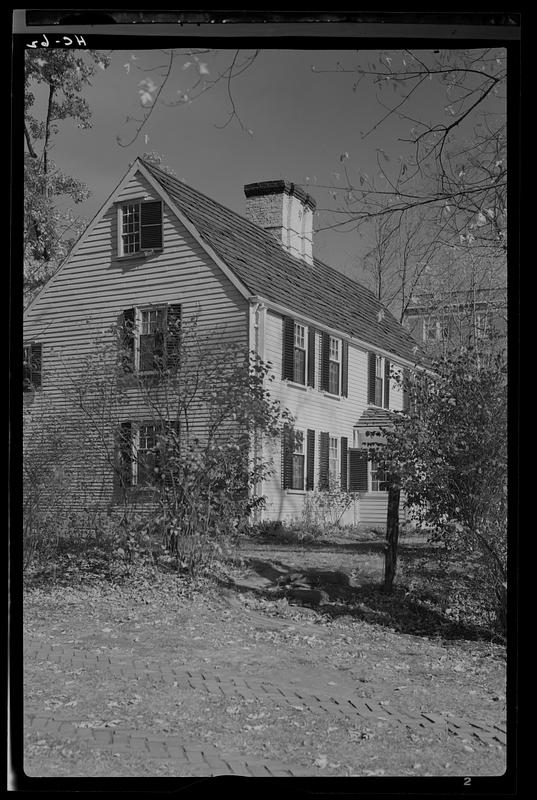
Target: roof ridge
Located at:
point(269, 237)
point(272, 272)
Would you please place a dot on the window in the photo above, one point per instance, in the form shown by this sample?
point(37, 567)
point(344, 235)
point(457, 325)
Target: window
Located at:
point(297, 481)
point(140, 225)
point(482, 326)
point(379, 380)
point(146, 454)
point(151, 338)
point(334, 366)
point(333, 461)
point(378, 388)
point(299, 363)
point(434, 330)
point(152, 326)
point(32, 361)
point(379, 478)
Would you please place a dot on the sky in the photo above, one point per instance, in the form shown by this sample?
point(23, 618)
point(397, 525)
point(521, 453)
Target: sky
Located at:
point(302, 121)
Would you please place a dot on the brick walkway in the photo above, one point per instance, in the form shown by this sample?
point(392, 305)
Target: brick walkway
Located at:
point(206, 760)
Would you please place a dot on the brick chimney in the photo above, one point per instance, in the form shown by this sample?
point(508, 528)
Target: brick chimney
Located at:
point(286, 211)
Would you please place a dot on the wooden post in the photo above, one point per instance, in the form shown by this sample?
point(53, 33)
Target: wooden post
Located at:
point(392, 533)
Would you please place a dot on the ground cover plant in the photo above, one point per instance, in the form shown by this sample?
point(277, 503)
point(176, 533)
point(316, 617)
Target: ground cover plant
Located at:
point(405, 651)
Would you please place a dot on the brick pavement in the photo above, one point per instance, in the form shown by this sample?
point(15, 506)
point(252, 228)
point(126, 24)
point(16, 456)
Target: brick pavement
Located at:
point(207, 760)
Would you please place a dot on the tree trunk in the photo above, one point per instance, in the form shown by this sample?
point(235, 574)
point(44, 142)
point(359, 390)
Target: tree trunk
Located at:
point(392, 535)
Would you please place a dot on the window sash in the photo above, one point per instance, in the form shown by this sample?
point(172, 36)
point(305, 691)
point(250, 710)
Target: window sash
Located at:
point(333, 461)
point(333, 377)
point(297, 480)
point(146, 456)
point(379, 478)
point(151, 323)
point(299, 365)
point(130, 228)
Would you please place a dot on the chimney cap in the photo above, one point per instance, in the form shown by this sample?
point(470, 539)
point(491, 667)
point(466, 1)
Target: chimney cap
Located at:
point(279, 187)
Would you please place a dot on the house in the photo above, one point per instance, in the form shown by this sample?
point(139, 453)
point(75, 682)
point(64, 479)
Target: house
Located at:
point(443, 322)
point(158, 251)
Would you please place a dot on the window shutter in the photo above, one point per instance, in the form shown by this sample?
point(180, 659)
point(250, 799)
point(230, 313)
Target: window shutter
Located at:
point(125, 453)
point(406, 391)
point(310, 459)
point(287, 461)
point(345, 369)
point(357, 471)
point(325, 361)
point(288, 348)
point(371, 374)
point(173, 335)
point(151, 225)
point(343, 450)
point(128, 333)
point(311, 356)
point(386, 383)
point(324, 482)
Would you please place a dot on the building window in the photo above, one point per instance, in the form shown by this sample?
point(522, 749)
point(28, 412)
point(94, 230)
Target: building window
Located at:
point(482, 326)
point(434, 330)
point(299, 363)
point(299, 458)
point(333, 462)
point(151, 338)
point(379, 478)
point(334, 366)
point(379, 380)
point(152, 327)
point(140, 225)
point(146, 454)
point(31, 365)
point(130, 228)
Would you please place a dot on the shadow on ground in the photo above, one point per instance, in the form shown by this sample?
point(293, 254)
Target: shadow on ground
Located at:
point(337, 593)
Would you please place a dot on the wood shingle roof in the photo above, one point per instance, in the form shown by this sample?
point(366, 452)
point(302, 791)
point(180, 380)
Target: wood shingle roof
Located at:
point(259, 261)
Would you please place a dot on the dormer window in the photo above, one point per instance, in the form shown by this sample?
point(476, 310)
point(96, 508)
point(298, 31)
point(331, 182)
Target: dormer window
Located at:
point(140, 226)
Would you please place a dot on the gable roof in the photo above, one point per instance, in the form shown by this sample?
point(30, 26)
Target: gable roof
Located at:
point(260, 262)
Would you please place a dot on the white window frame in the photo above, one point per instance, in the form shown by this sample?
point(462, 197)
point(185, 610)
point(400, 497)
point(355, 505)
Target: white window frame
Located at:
point(138, 328)
point(482, 325)
point(300, 342)
point(335, 355)
point(121, 210)
point(380, 363)
point(436, 326)
point(372, 470)
point(137, 448)
point(333, 462)
point(299, 449)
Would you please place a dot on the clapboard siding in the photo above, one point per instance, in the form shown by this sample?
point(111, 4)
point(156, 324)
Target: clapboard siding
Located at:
point(87, 297)
point(316, 410)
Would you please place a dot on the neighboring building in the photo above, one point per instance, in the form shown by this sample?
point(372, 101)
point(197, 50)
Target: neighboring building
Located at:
point(446, 321)
point(159, 251)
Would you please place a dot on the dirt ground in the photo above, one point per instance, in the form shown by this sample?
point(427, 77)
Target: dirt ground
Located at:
point(404, 652)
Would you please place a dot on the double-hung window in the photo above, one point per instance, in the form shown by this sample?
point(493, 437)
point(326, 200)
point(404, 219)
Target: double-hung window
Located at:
point(32, 363)
point(146, 454)
point(152, 327)
point(334, 366)
point(379, 380)
point(379, 478)
point(333, 461)
point(298, 460)
point(140, 227)
point(151, 338)
point(299, 363)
